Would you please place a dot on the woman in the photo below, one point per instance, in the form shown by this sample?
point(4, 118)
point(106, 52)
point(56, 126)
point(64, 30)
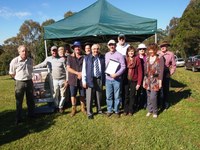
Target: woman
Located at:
point(153, 71)
point(133, 80)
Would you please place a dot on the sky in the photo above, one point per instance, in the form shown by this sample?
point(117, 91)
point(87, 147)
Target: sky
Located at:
point(13, 13)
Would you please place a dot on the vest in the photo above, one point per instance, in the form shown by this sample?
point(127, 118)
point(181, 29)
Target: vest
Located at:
point(89, 62)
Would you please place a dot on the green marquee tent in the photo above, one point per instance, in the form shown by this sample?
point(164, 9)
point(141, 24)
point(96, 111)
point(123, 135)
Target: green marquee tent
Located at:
point(100, 22)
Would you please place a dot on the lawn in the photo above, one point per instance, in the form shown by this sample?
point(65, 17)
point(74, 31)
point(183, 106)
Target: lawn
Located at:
point(178, 128)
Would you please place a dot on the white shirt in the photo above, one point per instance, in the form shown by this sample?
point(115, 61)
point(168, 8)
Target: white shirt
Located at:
point(22, 69)
point(122, 48)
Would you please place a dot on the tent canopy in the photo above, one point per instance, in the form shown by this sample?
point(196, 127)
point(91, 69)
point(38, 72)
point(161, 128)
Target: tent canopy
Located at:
point(100, 22)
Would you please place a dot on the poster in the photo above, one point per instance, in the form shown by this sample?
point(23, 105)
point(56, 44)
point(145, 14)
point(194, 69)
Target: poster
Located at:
point(42, 84)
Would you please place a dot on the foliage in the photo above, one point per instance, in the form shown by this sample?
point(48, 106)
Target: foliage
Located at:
point(68, 14)
point(187, 37)
point(177, 128)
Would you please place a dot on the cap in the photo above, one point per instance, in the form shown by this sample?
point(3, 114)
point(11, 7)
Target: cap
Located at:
point(121, 36)
point(54, 48)
point(76, 43)
point(111, 42)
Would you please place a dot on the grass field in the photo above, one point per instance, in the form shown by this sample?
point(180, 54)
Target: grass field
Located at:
point(178, 128)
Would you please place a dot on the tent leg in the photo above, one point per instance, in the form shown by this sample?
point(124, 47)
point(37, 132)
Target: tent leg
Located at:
point(156, 38)
point(45, 45)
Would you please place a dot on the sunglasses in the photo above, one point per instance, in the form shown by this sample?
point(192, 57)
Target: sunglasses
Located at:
point(142, 49)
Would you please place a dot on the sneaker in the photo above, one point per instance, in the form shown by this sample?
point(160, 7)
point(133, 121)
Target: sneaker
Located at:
point(148, 114)
point(155, 116)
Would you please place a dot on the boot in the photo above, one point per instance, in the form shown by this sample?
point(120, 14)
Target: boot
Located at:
point(83, 108)
point(73, 111)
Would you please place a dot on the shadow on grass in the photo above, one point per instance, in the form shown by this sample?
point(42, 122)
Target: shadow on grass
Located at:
point(10, 132)
point(178, 93)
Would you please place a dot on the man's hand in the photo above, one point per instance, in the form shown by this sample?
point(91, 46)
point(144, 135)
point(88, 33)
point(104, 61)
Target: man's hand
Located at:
point(79, 74)
point(85, 85)
point(160, 84)
point(113, 76)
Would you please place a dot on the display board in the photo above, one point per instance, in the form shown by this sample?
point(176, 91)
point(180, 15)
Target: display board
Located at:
point(42, 85)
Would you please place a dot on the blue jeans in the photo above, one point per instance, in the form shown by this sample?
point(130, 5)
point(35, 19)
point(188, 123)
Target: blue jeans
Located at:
point(113, 88)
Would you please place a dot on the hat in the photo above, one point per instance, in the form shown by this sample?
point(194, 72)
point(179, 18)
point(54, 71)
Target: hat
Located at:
point(121, 36)
point(54, 48)
point(111, 42)
point(141, 46)
point(164, 43)
point(76, 43)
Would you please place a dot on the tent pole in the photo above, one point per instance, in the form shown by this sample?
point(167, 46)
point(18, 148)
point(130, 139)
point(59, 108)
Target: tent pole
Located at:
point(45, 45)
point(156, 40)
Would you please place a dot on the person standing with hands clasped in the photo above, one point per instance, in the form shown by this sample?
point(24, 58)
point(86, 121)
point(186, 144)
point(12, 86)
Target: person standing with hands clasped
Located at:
point(21, 69)
point(132, 81)
point(93, 78)
point(113, 80)
point(153, 75)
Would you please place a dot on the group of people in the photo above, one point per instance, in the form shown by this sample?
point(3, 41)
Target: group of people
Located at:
point(138, 78)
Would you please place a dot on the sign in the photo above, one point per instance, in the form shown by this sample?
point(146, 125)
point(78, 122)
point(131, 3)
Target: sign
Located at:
point(42, 84)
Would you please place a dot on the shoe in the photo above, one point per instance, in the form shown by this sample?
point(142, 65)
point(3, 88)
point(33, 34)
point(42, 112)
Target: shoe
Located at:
point(83, 109)
point(73, 111)
point(18, 121)
point(155, 116)
point(61, 110)
point(100, 112)
point(109, 114)
point(125, 113)
point(148, 114)
point(130, 114)
point(91, 117)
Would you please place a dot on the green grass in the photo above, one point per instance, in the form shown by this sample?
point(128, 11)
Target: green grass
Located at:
point(178, 128)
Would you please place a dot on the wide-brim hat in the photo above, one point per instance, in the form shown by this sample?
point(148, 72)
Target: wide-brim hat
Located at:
point(87, 43)
point(164, 43)
point(76, 44)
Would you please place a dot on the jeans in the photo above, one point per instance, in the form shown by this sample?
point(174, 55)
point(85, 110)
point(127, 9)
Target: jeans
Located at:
point(113, 88)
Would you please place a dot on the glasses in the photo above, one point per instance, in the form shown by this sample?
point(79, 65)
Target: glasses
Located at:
point(111, 44)
point(142, 49)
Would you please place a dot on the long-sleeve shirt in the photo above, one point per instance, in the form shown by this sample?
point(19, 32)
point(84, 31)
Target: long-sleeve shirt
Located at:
point(117, 57)
point(57, 67)
point(169, 60)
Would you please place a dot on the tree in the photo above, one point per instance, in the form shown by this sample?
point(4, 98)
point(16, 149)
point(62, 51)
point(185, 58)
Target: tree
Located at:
point(187, 37)
point(68, 14)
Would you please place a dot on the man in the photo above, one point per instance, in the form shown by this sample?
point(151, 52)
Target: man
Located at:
point(67, 50)
point(74, 67)
point(122, 45)
point(21, 69)
point(113, 80)
point(87, 48)
point(169, 70)
point(57, 68)
point(122, 48)
point(93, 78)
